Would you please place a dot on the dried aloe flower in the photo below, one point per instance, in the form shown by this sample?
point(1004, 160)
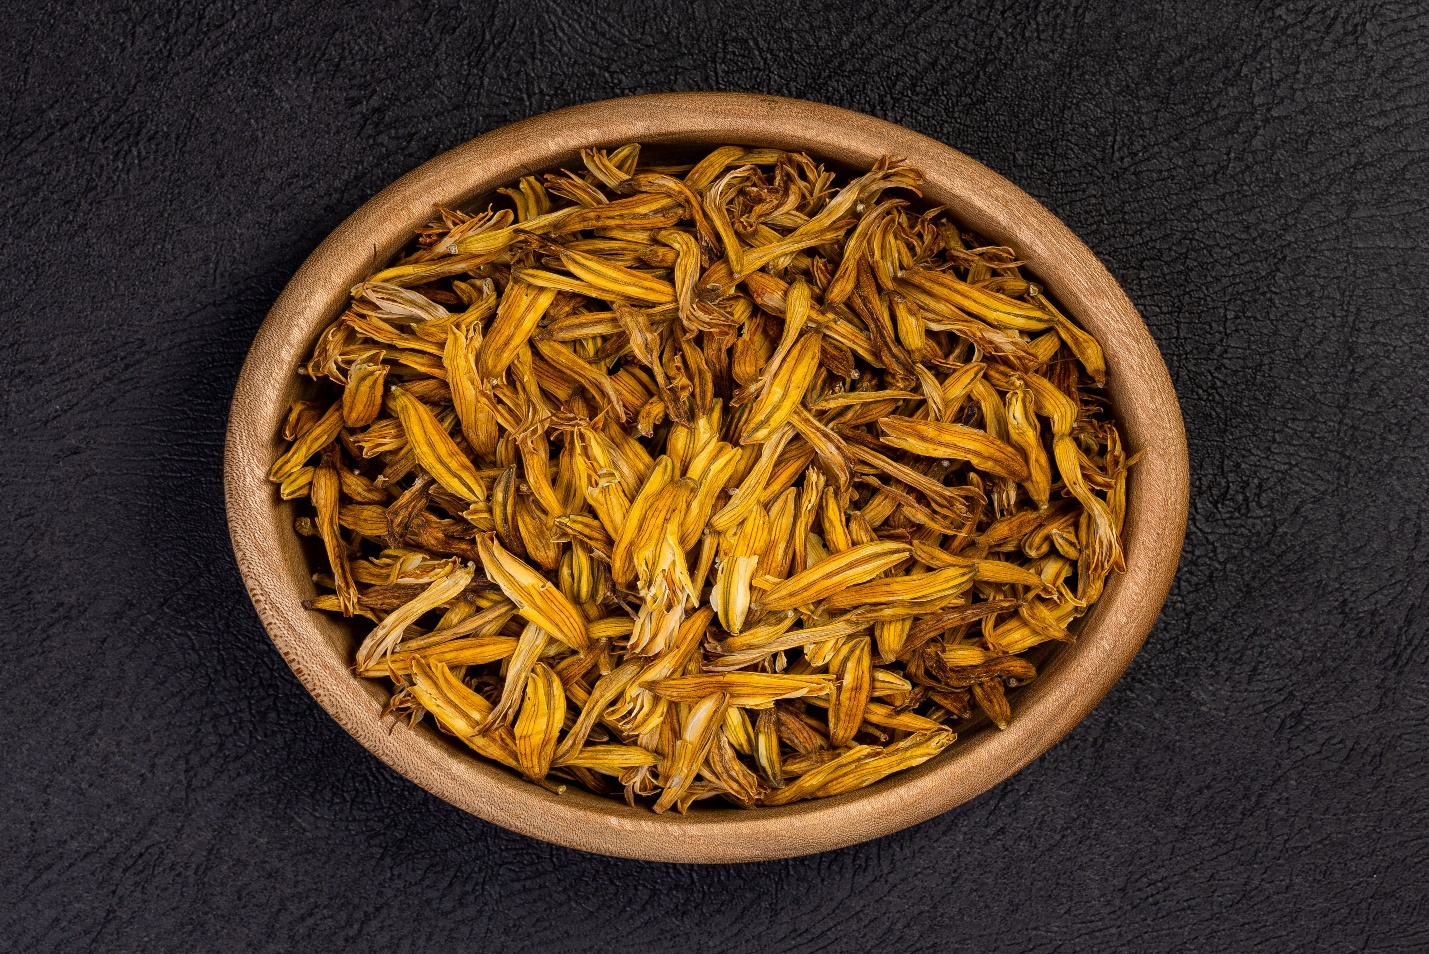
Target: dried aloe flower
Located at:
point(537, 727)
point(732, 479)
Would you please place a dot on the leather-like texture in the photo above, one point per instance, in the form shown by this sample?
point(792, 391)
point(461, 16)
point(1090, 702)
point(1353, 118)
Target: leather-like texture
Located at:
point(1254, 178)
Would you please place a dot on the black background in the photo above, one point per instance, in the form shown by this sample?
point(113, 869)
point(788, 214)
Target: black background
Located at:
point(1254, 175)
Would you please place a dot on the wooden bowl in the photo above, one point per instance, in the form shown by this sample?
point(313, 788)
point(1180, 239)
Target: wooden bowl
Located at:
point(320, 648)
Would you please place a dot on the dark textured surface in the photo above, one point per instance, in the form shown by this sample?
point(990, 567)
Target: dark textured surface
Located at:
point(1256, 178)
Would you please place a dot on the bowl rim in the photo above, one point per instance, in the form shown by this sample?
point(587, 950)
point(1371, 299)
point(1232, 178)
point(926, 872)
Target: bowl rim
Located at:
point(1078, 677)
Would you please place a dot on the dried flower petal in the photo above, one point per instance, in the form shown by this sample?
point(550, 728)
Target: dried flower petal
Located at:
point(542, 712)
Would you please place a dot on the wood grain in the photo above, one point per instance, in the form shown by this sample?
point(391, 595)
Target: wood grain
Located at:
point(319, 649)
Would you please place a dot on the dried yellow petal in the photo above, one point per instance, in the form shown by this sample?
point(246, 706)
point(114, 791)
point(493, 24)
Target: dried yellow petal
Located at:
point(852, 667)
point(938, 585)
point(435, 450)
point(542, 712)
point(954, 442)
point(362, 398)
point(754, 690)
point(389, 632)
point(535, 598)
point(460, 711)
point(522, 306)
point(699, 734)
point(838, 572)
point(309, 443)
point(324, 493)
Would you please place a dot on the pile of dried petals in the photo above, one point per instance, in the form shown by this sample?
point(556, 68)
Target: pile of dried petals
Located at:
point(729, 478)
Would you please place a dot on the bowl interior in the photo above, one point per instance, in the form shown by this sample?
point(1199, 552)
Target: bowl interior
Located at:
point(277, 563)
